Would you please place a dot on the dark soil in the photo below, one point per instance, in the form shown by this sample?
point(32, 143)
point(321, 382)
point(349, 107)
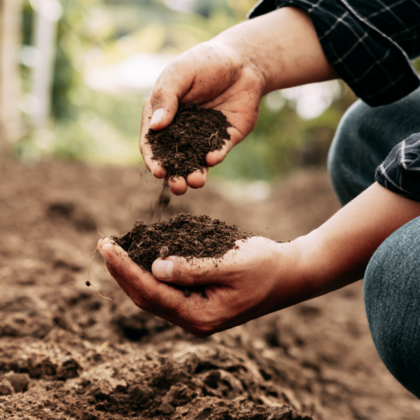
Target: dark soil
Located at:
point(183, 235)
point(195, 131)
point(67, 354)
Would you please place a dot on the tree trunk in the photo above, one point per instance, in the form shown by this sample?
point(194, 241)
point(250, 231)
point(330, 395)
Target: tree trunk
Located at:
point(9, 72)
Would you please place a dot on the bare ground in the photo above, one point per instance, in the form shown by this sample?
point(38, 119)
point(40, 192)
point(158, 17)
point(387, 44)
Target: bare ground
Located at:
point(67, 354)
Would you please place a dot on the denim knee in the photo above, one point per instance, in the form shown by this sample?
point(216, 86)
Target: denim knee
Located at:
point(349, 166)
point(364, 138)
point(392, 301)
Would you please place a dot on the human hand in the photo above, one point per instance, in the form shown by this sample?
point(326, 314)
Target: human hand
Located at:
point(258, 278)
point(216, 76)
point(230, 73)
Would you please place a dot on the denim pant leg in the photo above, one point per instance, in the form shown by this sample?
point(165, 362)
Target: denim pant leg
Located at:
point(392, 301)
point(364, 138)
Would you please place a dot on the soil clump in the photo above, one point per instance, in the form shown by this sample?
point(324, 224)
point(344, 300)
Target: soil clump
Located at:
point(195, 131)
point(184, 235)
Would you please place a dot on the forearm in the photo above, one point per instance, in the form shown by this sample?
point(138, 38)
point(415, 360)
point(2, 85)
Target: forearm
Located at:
point(283, 45)
point(338, 252)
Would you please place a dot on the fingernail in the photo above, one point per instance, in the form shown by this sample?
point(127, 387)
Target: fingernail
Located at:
point(163, 269)
point(157, 116)
point(106, 250)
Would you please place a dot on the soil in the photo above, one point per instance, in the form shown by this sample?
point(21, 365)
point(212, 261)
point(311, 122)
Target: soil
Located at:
point(65, 353)
point(182, 147)
point(184, 235)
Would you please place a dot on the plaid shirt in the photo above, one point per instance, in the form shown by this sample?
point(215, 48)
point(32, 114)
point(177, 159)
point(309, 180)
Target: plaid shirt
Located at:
point(400, 171)
point(370, 43)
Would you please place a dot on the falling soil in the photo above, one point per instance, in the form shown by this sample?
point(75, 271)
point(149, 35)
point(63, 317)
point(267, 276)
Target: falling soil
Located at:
point(184, 235)
point(182, 147)
point(162, 203)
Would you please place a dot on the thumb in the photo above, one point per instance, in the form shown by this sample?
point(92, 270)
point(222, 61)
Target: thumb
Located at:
point(171, 86)
point(184, 272)
point(163, 109)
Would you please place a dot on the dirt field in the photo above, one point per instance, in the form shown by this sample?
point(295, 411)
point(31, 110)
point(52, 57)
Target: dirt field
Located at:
point(67, 354)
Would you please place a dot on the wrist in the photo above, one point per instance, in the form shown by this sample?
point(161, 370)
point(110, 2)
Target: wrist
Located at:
point(283, 47)
point(291, 281)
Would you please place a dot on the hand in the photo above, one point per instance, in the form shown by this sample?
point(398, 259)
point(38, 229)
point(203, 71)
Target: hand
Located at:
point(258, 278)
point(231, 73)
point(233, 86)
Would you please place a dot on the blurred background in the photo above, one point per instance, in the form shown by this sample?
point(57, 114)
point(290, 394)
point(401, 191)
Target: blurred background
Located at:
point(74, 75)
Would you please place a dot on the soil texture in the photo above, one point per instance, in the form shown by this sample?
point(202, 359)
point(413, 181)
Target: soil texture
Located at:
point(183, 235)
point(67, 354)
point(195, 131)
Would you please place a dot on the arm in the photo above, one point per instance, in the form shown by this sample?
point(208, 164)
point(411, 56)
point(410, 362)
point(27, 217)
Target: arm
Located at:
point(264, 276)
point(231, 73)
point(337, 253)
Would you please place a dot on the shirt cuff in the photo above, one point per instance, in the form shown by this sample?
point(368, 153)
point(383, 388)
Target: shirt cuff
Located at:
point(400, 172)
point(374, 66)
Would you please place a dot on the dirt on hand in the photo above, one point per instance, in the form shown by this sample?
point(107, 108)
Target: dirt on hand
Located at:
point(183, 235)
point(182, 147)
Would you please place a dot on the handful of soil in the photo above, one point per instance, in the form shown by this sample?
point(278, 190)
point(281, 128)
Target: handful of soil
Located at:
point(183, 235)
point(195, 131)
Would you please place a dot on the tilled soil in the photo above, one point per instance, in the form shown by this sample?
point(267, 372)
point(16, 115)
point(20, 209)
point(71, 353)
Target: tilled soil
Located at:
point(65, 353)
point(182, 147)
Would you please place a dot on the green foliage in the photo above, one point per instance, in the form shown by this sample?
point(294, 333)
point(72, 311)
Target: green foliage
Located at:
point(104, 130)
point(67, 65)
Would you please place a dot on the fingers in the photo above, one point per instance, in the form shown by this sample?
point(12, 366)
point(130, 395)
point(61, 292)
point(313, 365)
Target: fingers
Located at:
point(183, 272)
point(218, 156)
point(146, 292)
point(197, 179)
point(171, 86)
point(161, 106)
point(152, 165)
point(177, 185)
point(126, 287)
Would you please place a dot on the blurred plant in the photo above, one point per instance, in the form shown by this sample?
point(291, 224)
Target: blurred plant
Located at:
point(102, 127)
point(106, 131)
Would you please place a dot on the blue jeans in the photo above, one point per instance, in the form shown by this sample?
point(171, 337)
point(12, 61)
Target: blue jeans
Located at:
point(364, 138)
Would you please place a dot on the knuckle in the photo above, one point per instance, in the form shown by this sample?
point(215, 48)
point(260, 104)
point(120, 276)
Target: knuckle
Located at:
point(205, 325)
point(157, 95)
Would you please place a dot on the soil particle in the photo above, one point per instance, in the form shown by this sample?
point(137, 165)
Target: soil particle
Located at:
point(19, 381)
point(182, 147)
point(184, 235)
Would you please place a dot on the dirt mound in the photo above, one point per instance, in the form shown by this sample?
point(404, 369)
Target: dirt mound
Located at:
point(182, 147)
point(67, 354)
point(184, 235)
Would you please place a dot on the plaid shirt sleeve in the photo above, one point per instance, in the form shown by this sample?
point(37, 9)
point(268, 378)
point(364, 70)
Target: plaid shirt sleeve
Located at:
point(368, 43)
point(400, 171)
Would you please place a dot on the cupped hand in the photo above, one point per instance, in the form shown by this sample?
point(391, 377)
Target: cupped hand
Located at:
point(216, 76)
point(259, 277)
